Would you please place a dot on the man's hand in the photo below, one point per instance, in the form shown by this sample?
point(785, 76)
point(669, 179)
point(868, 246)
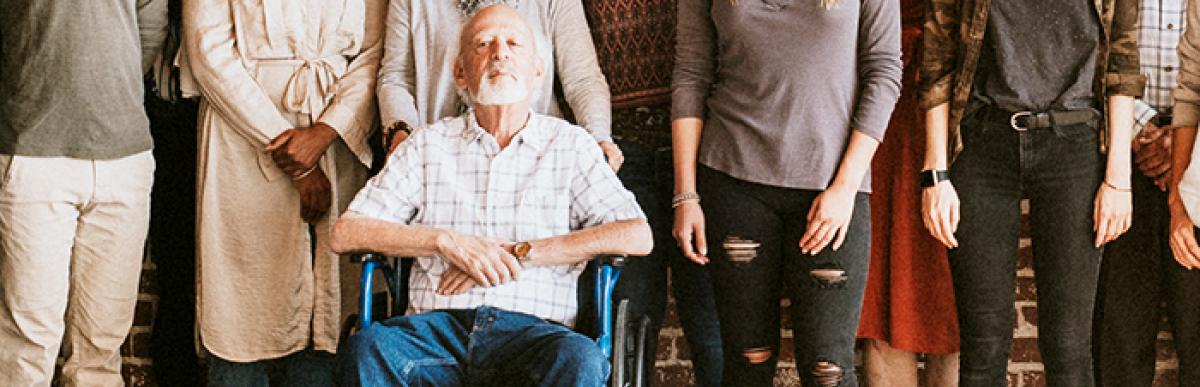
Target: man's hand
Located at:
point(828, 220)
point(939, 211)
point(1152, 153)
point(487, 261)
point(297, 150)
point(315, 195)
point(397, 138)
point(1183, 237)
point(613, 154)
point(1113, 213)
point(454, 282)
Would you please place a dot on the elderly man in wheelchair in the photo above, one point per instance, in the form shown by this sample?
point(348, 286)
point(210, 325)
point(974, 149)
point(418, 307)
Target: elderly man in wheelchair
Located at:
point(503, 208)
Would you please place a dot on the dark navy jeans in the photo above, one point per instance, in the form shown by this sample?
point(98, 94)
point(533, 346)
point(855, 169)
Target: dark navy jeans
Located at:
point(476, 347)
point(649, 174)
point(1059, 170)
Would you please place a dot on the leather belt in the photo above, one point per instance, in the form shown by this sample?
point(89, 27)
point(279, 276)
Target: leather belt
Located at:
point(1026, 120)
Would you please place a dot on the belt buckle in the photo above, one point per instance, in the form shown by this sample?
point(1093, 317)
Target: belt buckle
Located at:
point(1012, 121)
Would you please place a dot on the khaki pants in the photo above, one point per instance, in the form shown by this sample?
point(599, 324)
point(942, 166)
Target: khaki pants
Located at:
point(72, 236)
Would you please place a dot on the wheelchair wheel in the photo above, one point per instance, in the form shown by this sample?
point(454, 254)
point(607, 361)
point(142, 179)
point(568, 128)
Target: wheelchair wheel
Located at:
point(621, 343)
point(640, 353)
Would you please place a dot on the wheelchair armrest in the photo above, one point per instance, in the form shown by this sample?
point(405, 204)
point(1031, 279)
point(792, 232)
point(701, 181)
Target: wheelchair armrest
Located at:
point(613, 260)
point(367, 257)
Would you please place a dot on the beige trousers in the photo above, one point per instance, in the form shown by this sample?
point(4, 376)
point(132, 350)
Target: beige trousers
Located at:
point(72, 236)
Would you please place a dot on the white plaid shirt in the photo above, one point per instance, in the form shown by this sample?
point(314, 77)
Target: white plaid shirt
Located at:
point(550, 180)
point(1158, 39)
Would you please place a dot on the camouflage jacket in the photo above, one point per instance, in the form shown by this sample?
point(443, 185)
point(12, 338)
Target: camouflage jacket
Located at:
point(953, 39)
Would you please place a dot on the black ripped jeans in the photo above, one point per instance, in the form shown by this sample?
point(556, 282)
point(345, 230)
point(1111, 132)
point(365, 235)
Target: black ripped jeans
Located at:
point(1059, 171)
point(753, 233)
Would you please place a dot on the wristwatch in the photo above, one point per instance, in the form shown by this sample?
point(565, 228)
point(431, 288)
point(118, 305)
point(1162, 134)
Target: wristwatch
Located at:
point(930, 178)
point(522, 250)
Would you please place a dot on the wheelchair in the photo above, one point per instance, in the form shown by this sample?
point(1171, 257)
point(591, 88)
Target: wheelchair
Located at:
point(621, 340)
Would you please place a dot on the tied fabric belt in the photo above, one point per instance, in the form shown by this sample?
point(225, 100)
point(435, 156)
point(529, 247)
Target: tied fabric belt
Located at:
point(311, 85)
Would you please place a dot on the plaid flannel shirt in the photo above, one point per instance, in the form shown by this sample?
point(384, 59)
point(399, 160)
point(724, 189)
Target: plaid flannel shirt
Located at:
point(1162, 23)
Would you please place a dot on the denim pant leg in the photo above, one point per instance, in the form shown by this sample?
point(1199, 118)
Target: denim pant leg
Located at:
point(1063, 169)
point(744, 235)
point(696, 306)
point(516, 349)
point(1184, 309)
point(427, 349)
point(826, 291)
point(224, 373)
point(1133, 280)
point(983, 267)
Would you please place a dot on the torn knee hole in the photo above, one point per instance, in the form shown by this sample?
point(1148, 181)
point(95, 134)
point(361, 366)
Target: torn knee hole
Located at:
point(827, 374)
point(740, 250)
point(829, 275)
point(757, 355)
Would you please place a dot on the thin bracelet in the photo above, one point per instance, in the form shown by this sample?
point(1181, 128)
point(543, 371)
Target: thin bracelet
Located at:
point(1115, 188)
point(685, 197)
point(304, 174)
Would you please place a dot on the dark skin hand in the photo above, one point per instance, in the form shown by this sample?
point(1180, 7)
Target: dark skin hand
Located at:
point(297, 150)
point(1152, 154)
point(315, 195)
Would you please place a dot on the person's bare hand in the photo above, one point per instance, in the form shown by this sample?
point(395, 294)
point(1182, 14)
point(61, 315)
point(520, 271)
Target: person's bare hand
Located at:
point(454, 282)
point(828, 220)
point(940, 212)
point(689, 231)
point(485, 260)
point(1113, 213)
point(297, 150)
point(397, 138)
point(613, 154)
point(1183, 235)
point(1152, 151)
point(315, 195)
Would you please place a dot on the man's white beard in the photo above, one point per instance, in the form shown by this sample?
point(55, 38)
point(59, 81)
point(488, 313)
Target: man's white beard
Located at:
point(509, 88)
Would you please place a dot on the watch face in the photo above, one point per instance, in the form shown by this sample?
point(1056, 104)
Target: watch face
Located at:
point(521, 250)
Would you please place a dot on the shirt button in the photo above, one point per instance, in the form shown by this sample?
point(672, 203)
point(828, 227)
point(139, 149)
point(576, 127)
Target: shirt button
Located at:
point(1170, 26)
point(1169, 69)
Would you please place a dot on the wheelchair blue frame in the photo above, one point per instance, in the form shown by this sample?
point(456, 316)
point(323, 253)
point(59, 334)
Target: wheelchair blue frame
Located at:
point(606, 280)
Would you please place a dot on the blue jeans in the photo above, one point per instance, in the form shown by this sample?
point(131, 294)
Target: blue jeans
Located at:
point(649, 174)
point(480, 347)
point(1059, 171)
point(307, 368)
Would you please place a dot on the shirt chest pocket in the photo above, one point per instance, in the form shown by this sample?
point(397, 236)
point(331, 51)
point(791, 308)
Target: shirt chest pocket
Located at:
point(542, 213)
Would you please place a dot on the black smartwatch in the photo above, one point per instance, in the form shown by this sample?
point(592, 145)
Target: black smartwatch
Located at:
point(930, 178)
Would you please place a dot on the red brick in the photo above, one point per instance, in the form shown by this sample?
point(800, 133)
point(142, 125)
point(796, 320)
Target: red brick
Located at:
point(666, 347)
point(675, 375)
point(1024, 350)
point(1026, 289)
point(138, 376)
point(1030, 314)
point(1013, 379)
point(1166, 378)
point(1033, 379)
point(1165, 349)
point(1025, 258)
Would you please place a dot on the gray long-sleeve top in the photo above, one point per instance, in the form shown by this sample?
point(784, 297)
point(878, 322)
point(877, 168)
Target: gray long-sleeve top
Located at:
point(780, 84)
point(71, 76)
point(416, 77)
